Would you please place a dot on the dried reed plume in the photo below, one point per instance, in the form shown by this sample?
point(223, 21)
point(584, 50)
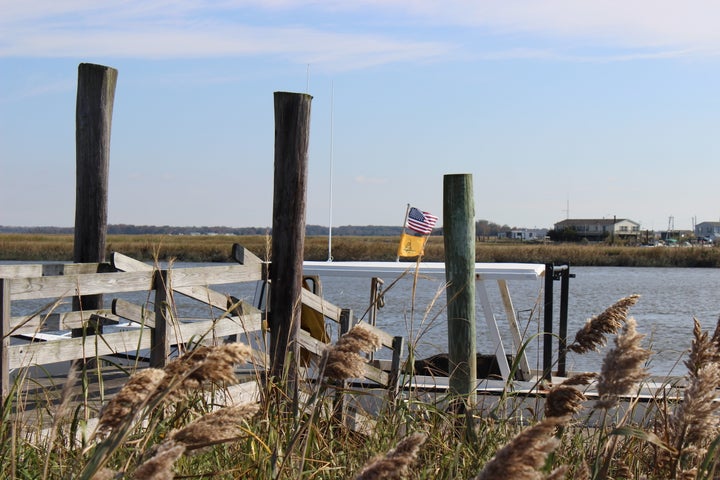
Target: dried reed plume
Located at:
point(130, 399)
point(563, 401)
point(693, 424)
point(558, 473)
point(105, 474)
point(704, 350)
point(342, 360)
point(220, 426)
point(525, 454)
point(160, 466)
point(623, 366)
point(215, 365)
point(592, 335)
point(395, 464)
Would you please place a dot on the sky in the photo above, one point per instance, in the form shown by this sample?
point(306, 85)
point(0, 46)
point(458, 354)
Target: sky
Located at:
point(558, 108)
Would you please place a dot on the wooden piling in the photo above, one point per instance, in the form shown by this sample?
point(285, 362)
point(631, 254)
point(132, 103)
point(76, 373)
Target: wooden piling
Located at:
point(93, 121)
point(5, 338)
point(459, 238)
point(292, 133)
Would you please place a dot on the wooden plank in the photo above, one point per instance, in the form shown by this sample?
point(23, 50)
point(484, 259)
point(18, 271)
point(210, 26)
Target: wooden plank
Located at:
point(376, 375)
point(82, 268)
point(321, 305)
point(135, 313)
point(493, 330)
point(222, 327)
point(243, 256)
point(26, 325)
point(67, 349)
point(185, 277)
point(311, 344)
point(523, 364)
point(199, 275)
point(73, 285)
point(19, 271)
point(194, 276)
point(42, 353)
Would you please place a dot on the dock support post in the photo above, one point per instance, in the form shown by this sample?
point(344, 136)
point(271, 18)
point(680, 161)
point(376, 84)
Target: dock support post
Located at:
point(160, 341)
point(459, 238)
point(93, 121)
point(548, 322)
point(292, 133)
point(5, 339)
point(562, 332)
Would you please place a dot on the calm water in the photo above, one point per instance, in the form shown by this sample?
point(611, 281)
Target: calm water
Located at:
point(670, 299)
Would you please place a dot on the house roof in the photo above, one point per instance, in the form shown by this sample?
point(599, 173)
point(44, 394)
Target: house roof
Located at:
point(594, 221)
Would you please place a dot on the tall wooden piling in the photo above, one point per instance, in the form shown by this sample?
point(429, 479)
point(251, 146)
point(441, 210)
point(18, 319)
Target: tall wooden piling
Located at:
point(292, 134)
point(93, 121)
point(459, 237)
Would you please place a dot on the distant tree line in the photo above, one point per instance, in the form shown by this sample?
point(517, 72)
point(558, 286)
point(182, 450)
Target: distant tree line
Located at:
point(484, 228)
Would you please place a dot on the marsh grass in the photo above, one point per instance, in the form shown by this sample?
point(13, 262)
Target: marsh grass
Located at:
point(166, 423)
point(206, 248)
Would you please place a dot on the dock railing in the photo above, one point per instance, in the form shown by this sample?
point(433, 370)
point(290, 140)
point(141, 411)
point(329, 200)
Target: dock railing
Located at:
point(155, 330)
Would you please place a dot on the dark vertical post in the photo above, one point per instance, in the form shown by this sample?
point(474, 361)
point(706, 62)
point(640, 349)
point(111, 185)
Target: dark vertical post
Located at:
point(459, 238)
point(93, 120)
point(562, 332)
point(160, 341)
point(548, 327)
point(292, 134)
point(5, 338)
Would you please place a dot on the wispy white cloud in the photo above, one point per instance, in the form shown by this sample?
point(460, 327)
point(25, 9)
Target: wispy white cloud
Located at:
point(192, 29)
point(344, 35)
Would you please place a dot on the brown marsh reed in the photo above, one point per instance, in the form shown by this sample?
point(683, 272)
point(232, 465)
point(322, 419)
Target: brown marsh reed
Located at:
point(207, 248)
point(164, 423)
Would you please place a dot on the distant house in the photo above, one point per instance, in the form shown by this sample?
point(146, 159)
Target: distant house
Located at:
point(599, 229)
point(525, 234)
point(708, 229)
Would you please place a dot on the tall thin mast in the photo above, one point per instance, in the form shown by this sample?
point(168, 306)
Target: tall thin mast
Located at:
point(332, 149)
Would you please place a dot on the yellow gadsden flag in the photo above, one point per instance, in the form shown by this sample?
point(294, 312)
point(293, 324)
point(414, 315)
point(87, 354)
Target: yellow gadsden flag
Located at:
point(411, 245)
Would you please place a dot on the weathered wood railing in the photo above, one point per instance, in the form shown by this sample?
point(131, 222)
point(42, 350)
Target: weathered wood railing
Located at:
point(160, 329)
point(157, 329)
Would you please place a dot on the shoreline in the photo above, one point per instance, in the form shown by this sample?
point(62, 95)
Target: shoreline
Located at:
point(217, 248)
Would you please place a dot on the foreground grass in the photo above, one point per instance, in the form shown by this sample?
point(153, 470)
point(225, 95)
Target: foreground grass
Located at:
point(164, 424)
point(215, 249)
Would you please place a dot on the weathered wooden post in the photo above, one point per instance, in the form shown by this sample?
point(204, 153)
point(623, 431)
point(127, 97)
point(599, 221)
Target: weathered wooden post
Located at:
point(4, 338)
point(93, 120)
point(292, 134)
point(459, 237)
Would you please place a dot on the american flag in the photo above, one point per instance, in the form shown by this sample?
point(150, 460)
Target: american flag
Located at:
point(421, 222)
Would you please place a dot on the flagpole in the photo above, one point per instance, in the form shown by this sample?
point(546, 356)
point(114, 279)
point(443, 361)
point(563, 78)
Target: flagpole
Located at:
point(332, 149)
point(407, 210)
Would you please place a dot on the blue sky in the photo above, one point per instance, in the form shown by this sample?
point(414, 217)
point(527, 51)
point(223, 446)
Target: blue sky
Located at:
point(606, 108)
